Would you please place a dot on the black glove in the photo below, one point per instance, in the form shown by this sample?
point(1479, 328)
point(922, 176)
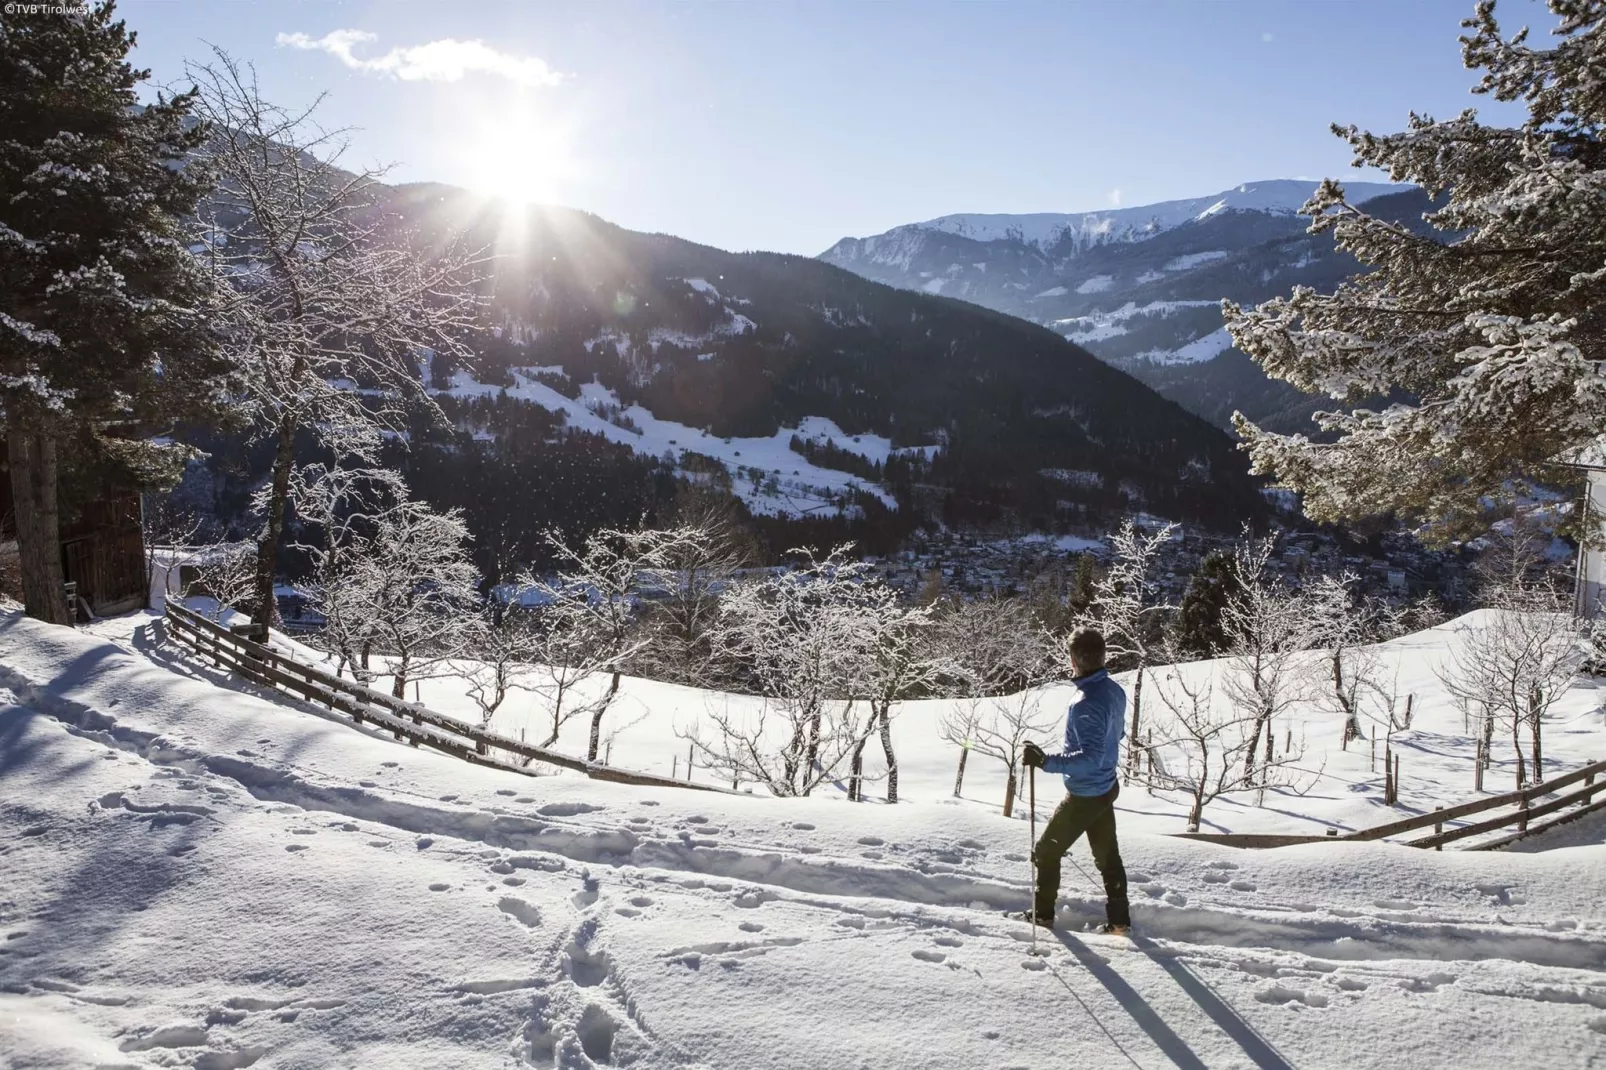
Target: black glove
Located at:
point(1032, 756)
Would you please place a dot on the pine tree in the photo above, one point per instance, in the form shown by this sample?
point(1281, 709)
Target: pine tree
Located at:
point(103, 334)
point(1198, 628)
point(1487, 332)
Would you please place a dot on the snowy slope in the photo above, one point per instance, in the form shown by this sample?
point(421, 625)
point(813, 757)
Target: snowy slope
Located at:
point(197, 876)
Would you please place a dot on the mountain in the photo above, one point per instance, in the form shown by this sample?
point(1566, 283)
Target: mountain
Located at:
point(805, 389)
point(1139, 287)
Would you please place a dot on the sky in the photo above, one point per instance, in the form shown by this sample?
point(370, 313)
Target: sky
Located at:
point(786, 126)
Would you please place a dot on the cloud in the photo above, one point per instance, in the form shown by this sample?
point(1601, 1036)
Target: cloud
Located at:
point(446, 60)
point(1115, 198)
point(1266, 37)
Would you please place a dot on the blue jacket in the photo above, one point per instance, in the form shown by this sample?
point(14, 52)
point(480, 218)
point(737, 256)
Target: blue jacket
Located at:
point(1093, 731)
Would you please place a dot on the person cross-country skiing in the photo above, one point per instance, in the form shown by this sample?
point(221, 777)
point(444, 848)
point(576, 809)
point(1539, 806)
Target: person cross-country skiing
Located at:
point(1093, 730)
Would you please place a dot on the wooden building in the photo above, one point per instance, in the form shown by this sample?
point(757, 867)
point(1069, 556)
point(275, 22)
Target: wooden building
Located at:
point(102, 546)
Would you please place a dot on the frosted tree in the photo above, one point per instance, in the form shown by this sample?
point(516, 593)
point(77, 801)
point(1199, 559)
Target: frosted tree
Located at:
point(224, 572)
point(1001, 659)
point(323, 293)
point(1268, 626)
point(1207, 748)
point(1513, 662)
point(104, 333)
point(788, 639)
point(1128, 610)
point(599, 581)
point(500, 645)
point(686, 567)
point(1487, 330)
point(411, 577)
point(899, 657)
point(1345, 624)
point(565, 656)
point(337, 508)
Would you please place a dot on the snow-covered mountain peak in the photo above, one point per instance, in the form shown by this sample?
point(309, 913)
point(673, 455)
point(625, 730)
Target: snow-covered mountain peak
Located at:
point(1048, 231)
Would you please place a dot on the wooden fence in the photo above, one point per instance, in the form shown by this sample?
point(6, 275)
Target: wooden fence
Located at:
point(1522, 809)
point(416, 723)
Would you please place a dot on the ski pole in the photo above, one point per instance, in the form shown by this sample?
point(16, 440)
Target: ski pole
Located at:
point(1031, 802)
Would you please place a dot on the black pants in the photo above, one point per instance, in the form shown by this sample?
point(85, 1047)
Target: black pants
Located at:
point(1094, 815)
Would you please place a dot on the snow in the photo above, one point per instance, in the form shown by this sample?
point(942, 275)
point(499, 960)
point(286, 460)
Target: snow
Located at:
point(1054, 291)
point(200, 875)
point(1197, 351)
point(1047, 229)
point(1098, 326)
point(934, 286)
point(1193, 260)
point(802, 487)
point(1096, 285)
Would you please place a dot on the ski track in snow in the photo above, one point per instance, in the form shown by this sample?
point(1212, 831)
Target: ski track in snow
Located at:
point(160, 828)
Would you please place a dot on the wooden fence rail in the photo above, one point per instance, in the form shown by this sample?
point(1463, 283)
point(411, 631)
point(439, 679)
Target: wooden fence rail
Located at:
point(412, 721)
point(1524, 804)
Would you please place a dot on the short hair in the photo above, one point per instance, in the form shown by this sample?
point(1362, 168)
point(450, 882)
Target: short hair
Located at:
point(1087, 648)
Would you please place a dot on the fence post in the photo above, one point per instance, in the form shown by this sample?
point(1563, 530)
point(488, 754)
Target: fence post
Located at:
point(1522, 812)
point(1396, 781)
point(1438, 827)
point(689, 752)
point(1409, 699)
point(1589, 780)
point(674, 767)
point(1373, 766)
point(1477, 767)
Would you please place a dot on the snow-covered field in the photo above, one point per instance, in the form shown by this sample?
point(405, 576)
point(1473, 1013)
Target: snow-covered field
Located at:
point(199, 875)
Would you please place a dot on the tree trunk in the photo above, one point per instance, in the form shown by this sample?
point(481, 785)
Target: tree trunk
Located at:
point(959, 777)
point(1516, 745)
point(1254, 744)
point(856, 774)
point(892, 759)
point(1132, 748)
point(38, 520)
point(398, 685)
point(1535, 704)
point(1265, 770)
point(263, 609)
point(1009, 793)
point(1196, 813)
point(1488, 735)
point(596, 718)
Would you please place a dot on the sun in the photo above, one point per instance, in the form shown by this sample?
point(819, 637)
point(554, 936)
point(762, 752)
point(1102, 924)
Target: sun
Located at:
point(521, 157)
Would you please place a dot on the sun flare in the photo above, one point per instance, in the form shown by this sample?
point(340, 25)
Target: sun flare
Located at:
point(522, 158)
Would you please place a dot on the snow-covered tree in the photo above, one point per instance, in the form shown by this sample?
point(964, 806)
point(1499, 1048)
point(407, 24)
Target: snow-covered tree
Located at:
point(685, 568)
point(1001, 659)
point(1513, 662)
point(500, 645)
point(408, 580)
point(789, 638)
point(1207, 749)
point(1344, 624)
point(599, 581)
point(104, 339)
point(897, 656)
point(1487, 331)
point(1268, 627)
point(322, 292)
point(1128, 610)
point(224, 572)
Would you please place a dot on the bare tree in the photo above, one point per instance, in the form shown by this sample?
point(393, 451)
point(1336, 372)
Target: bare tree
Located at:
point(225, 572)
point(322, 292)
point(684, 569)
point(167, 529)
point(1267, 627)
point(788, 638)
point(1204, 747)
point(1002, 659)
point(1346, 625)
point(1513, 661)
point(600, 580)
point(564, 653)
point(501, 647)
point(1127, 609)
point(898, 658)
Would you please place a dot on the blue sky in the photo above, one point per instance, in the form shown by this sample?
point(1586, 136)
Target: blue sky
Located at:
point(789, 125)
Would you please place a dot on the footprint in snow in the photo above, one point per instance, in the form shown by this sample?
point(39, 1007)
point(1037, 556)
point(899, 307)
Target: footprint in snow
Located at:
point(1350, 984)
point(294, 847)
point(1242, 886)
point(506, 791)
point(303, 832)
point(697, 819)
point(1395, 904)
point(751, 927)
point(641, 901)
point(871, 841)
point(1176, 899)
point(423, 842)
point(1215, 876)
point(803, 826)
point(948, 941)
point(1281, 994)
point(439, 887)
point(928, 956)
point(1221, 865)
point(390, 765)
